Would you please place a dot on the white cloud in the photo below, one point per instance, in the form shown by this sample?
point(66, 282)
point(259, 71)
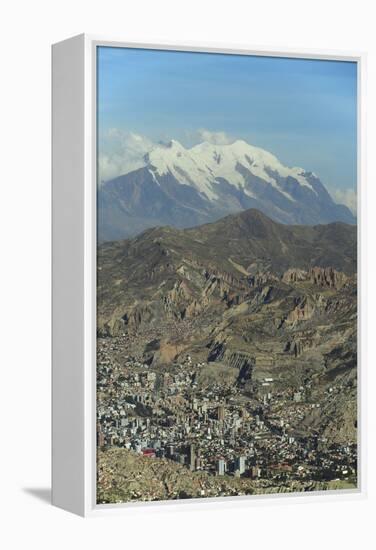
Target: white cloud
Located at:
point(344, 196)
point(121, 152)
point(217, 138)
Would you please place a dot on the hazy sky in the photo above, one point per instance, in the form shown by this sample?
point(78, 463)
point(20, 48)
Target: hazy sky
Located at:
point(303, 111)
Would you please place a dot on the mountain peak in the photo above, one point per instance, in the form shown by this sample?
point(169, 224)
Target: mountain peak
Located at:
point(204, 164)
point(183, 187)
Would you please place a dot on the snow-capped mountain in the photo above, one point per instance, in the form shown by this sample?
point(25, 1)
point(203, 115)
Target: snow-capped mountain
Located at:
point(186, 187)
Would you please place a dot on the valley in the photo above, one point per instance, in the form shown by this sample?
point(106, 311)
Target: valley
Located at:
point(227, 360)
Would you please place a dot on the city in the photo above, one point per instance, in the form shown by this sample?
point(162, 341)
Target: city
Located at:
point(223, 430)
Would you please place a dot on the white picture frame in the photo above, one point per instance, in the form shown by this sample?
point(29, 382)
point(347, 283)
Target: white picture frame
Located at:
point(74, 275)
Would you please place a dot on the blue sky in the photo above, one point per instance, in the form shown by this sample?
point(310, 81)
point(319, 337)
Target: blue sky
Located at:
point(303, 111)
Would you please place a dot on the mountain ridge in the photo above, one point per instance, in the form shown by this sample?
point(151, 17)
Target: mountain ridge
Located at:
point(234, 253)
point(189, 187)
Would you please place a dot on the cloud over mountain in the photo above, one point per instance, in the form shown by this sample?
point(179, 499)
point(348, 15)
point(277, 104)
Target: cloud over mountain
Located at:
point(216, 138)
point(348, 197)
point(121, 153)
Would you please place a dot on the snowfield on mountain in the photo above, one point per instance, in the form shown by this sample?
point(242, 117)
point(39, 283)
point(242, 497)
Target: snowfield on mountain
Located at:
point(185, 187)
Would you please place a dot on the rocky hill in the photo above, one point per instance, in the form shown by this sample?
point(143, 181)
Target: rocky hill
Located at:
point(171, 273)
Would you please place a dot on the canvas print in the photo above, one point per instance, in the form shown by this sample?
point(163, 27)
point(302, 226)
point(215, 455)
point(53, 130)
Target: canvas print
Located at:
point(226, 275)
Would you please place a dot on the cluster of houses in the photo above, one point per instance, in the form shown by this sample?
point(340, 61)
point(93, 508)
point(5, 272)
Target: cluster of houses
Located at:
point(167, 414)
